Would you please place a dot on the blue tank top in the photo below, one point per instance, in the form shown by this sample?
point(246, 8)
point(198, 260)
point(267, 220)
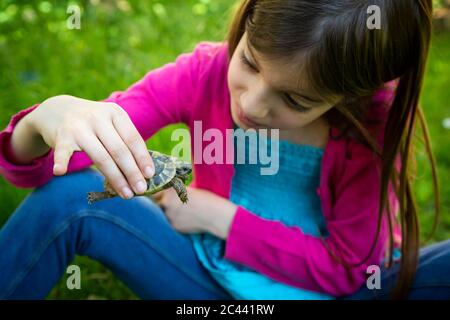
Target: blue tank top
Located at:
point(288, 196)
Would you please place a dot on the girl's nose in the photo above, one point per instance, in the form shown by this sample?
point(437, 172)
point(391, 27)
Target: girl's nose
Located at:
point(255, 108)
point(255, 111)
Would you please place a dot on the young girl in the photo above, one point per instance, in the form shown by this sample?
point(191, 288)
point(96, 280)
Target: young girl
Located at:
point(345, 99)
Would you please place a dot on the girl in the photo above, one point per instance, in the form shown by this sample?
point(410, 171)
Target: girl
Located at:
point(312, 69)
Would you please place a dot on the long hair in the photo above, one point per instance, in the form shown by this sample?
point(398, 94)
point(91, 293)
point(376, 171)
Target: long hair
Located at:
point(346, 58)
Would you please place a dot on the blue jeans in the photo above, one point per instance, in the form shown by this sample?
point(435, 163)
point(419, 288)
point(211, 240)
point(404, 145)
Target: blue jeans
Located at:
point(431, 281)
point(134, 239)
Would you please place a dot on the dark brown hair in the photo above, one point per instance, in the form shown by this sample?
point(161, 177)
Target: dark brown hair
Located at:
point(343, 57)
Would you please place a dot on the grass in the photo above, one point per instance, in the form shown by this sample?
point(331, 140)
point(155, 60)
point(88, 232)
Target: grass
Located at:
point(119, 41)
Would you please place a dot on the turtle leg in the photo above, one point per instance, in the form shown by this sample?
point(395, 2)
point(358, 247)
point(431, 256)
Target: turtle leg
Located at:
point(107, 194)
point(97, 196)
point(180, 188)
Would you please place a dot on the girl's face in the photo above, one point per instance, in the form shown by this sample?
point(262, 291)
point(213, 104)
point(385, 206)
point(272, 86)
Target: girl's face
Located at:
point(264, 94)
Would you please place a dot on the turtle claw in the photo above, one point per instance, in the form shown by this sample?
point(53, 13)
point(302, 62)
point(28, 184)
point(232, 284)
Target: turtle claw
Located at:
point(183, 198)
point(93, 197)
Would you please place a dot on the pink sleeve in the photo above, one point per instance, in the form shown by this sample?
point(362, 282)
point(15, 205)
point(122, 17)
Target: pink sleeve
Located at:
point(25, 176)
point(163, 96)
point(288, 255)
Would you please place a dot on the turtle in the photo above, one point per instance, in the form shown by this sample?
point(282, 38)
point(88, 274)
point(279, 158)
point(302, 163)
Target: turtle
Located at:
point(169, 172)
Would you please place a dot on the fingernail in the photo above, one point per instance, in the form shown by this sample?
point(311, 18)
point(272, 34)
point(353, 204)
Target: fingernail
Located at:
point(127, 193)
point(55, 167)
point(141, 186)
point(149, 172)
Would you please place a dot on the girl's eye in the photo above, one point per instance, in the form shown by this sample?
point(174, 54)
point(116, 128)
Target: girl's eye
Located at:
point(245, 61)
point(291, 102)
point(294, 104)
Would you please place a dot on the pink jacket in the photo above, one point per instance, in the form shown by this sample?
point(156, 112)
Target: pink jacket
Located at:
point(194, 87)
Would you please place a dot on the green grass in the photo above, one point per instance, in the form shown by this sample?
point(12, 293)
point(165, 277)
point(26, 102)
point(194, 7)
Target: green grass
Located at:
point(40, 57)
point(116, 46)
point(435, 102)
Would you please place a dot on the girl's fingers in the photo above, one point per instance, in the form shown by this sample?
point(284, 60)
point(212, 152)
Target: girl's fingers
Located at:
point(134, 142)
point(102, 159)
point(121, 155)
point(63, 153)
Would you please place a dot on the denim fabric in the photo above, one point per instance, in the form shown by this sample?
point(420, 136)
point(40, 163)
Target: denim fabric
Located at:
point(132, 238)
point(288, 196)
point(431, 282)
point(135, 241)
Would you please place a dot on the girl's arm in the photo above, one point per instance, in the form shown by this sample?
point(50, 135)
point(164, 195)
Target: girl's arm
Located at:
point(14, 168)
point(26, 143)
point(288, 255)
point(163, 96)
point(349, 200)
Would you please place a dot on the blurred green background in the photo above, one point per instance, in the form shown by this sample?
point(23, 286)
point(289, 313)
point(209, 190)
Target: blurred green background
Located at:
point(119, 41)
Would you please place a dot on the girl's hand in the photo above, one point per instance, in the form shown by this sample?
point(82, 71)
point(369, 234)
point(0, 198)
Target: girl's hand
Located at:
point(204, 212)
point(104, 131)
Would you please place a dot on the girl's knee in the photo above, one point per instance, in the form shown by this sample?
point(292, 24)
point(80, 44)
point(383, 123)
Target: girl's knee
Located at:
point(74, 182)
point(64, 199)
point(64, 194)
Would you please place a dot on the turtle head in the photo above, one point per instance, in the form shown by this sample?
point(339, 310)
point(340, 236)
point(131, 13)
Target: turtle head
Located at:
point(184, 168)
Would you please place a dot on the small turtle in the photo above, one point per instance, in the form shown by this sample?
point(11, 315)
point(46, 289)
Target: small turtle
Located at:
point(169, 172)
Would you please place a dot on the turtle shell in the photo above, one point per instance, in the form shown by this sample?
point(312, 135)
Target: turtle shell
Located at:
point(165, 170)
point(166, 167)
